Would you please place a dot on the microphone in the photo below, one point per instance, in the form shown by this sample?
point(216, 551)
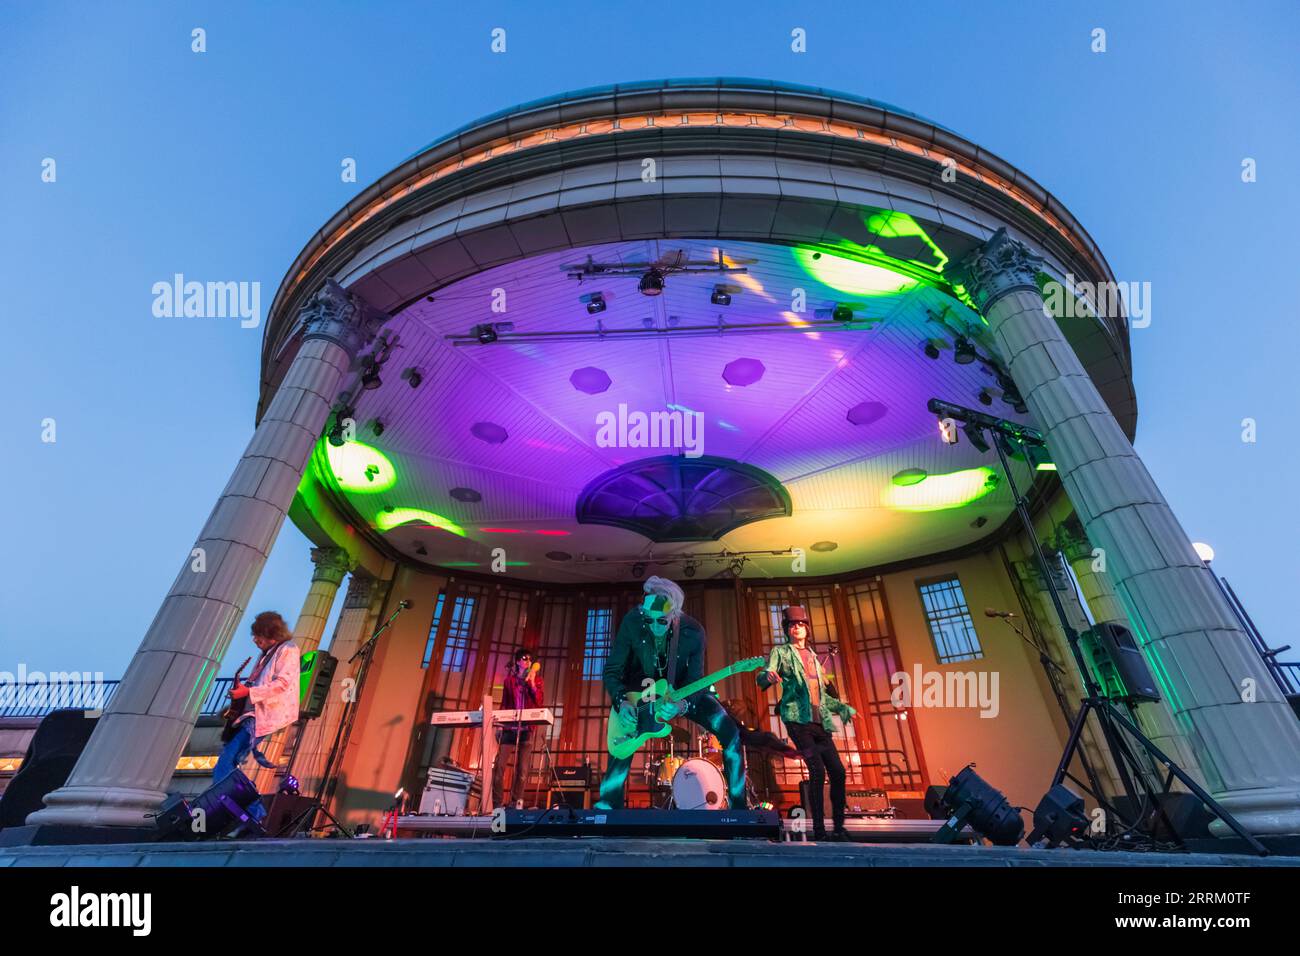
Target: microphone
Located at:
point(989, 612)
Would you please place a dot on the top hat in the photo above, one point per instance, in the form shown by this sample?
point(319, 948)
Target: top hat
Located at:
point(794, 615)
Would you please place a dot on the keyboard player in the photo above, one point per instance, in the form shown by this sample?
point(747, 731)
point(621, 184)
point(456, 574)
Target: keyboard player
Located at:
point(521, 690)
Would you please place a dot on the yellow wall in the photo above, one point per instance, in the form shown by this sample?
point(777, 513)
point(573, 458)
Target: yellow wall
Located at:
point(389, 702)
point(1016, 751)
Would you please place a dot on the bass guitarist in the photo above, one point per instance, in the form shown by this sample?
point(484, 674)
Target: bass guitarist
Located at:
point(639, 655)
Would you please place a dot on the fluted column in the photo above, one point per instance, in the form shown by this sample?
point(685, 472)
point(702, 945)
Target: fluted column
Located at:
point(125, 769)
point(1155, 718)
point(355, 624)
point(1245, 736)
point(329, 566)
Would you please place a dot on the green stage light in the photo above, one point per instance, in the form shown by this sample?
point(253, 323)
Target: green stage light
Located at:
point(942, 492)
point(850, 276)
point(388, 520)
point(360, 468)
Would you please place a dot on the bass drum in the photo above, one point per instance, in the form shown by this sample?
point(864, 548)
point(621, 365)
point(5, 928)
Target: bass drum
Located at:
point(699, 785)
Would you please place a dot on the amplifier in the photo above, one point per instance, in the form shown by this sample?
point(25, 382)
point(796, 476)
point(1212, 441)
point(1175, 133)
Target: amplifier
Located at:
point(573, 778)
point(857, 803)
point(653, 824)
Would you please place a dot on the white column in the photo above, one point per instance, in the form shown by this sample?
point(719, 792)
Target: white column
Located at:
point(125, 769)
point(1245, 736)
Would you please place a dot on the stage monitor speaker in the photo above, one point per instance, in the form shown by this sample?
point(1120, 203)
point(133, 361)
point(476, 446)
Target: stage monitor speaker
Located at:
point(282, 809)
point(316, 674)
point(1118, 663)
point(54, 750)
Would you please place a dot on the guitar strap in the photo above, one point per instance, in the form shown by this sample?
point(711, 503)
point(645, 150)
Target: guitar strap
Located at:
point(672, 652)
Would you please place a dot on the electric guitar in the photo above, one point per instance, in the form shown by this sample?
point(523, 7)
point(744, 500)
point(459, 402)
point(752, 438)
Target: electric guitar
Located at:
point(623, 743)
point(234, 709)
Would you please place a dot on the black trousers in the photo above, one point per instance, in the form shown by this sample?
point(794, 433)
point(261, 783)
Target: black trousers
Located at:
point(818, 748)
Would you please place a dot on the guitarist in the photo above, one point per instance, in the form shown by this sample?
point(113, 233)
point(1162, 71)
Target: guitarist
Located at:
point(640, 653)
point(269, 699)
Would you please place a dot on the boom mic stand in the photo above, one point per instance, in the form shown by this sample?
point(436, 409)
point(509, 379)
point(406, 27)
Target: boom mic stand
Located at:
point(342, 734)
point(1003, 433)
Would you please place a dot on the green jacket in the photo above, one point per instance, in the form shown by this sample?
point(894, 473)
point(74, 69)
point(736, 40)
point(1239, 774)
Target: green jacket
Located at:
point(796, 701)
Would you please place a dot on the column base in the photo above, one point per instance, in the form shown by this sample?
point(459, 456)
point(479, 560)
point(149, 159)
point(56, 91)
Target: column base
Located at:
point(98, 807)
point(1274, 811)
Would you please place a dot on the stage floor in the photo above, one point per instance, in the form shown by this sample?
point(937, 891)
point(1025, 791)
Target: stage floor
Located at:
point(592, 852)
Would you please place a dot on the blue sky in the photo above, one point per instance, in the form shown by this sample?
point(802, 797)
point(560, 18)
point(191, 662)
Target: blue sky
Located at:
point(221, 165)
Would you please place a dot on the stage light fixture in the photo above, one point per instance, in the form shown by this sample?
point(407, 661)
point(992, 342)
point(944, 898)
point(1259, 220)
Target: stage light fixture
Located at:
point(377, 427)
point(688, 569)
point(842, 313)
point(737, 567)
point(985, 397)
point(336, 434)
point(1059, 818)
point(963, 351)
point(976, 439)
point(931, 350)
point(487, 332)
point(652, 283)
point(970, 800)
point(596, 303)
point(720, 296)
point(1039, 458)
point(370, 376)
point(638, 569)
point(222, 807)
point(1011, 394)
point(412, 377)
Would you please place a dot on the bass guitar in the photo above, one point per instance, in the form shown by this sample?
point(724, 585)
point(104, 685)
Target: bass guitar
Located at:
point(624, 742)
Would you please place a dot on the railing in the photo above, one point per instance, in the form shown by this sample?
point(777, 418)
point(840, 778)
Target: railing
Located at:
point(1285, 673)
point(36, 699)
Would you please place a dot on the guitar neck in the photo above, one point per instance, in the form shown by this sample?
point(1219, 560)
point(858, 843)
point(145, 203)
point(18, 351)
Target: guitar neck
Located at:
point(703, 682)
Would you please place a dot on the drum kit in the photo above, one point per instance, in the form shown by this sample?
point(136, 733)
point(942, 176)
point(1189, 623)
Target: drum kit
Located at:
point(688, 782)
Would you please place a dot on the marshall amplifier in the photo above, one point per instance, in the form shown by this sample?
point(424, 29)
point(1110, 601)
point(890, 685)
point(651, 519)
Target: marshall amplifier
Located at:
point(572, 778)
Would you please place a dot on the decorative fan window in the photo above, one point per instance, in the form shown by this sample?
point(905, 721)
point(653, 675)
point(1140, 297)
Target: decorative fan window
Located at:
point(675, 498)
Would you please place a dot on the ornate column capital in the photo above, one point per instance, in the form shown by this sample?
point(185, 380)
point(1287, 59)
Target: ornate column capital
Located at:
point(360, 590)
point(330, 564)
point(341, 317)
point(1072, 540)
point(1000, 266)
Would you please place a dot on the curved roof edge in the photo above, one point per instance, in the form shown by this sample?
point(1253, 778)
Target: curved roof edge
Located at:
point(733, 83)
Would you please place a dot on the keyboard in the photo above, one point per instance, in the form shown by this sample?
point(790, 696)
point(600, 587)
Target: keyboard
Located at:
point(531, 717)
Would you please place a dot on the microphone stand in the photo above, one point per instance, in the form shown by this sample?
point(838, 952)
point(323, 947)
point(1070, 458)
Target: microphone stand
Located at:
point(342, 734)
